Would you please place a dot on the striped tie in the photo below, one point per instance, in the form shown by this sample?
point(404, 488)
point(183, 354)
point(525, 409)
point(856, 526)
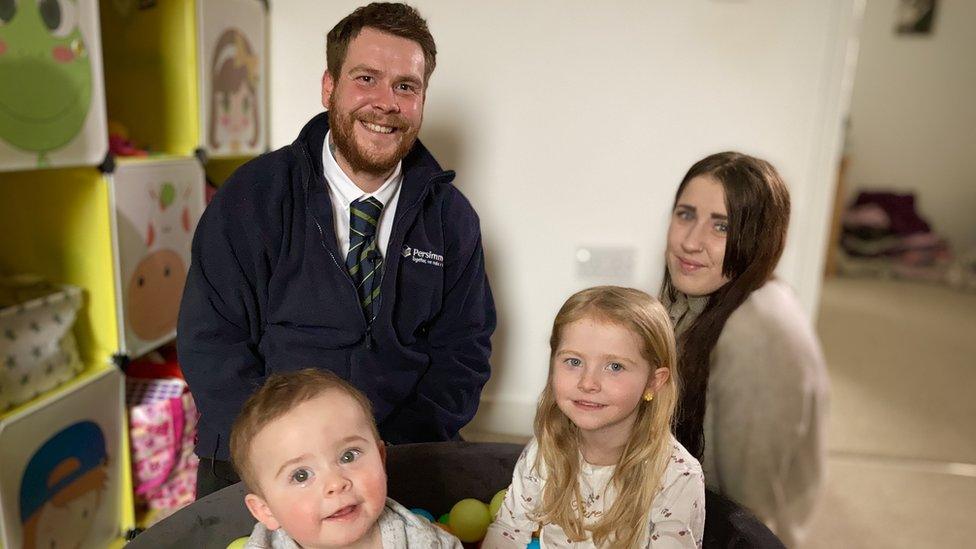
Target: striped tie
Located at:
point(364, 261)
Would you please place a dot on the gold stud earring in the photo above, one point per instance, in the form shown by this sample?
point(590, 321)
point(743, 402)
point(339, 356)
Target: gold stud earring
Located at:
point(648, 396)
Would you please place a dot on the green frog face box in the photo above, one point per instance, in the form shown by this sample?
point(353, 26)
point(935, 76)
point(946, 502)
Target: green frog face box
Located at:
point(45, 75)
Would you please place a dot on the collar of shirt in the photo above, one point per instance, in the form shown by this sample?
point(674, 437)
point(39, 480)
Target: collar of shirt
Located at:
point(684, 310)
point(344, 191)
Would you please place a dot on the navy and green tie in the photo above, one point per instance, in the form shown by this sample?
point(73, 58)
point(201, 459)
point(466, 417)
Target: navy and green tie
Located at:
point(364, 261)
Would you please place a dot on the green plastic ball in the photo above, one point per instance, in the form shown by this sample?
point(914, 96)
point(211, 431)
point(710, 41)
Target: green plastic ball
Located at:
point(445, 518)
point(469, 520)
point(496, 502)
point(237, 543)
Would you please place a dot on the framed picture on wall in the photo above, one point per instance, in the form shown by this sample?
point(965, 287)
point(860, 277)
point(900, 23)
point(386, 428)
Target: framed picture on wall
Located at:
point(915, 16)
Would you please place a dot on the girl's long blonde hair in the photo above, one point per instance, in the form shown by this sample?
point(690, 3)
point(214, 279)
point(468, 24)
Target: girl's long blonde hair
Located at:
point(638, 473)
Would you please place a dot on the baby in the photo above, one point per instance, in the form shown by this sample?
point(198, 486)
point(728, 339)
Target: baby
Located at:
point(307, 448)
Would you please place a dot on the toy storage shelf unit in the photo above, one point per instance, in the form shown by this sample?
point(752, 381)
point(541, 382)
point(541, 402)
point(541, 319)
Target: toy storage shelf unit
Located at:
point(180, 76)
point(183, 79)
point(123, 237)
point(188, 77)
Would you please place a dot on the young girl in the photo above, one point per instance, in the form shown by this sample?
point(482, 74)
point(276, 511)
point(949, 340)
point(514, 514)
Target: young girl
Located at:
point(604, 469)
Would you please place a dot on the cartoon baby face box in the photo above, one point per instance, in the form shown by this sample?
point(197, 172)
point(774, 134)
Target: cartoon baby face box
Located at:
point(157, 204)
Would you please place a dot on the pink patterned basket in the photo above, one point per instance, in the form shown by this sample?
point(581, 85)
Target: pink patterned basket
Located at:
point(162, 425)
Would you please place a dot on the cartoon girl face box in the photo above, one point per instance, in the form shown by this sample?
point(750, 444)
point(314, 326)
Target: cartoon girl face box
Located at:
point(232, 75)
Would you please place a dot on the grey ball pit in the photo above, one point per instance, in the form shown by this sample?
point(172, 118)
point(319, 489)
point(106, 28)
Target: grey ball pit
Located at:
point(433, 476)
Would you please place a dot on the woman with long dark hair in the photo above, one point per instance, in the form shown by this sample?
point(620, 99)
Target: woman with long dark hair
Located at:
point(755, 383)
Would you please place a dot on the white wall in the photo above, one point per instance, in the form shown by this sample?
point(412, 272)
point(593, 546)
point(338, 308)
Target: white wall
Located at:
point(913, 115)
point(596, 110)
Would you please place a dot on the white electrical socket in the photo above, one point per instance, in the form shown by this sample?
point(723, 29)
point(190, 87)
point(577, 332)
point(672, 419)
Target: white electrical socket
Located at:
point(607, 263)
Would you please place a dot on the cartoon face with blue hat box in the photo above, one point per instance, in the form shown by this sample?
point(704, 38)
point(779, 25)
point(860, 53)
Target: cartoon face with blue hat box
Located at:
point(62, 487)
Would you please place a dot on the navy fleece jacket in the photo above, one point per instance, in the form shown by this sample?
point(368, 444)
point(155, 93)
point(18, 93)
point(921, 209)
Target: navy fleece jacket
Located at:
point(268, 292)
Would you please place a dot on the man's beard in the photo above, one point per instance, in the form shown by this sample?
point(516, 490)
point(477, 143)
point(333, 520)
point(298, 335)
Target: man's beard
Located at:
point(359, 159)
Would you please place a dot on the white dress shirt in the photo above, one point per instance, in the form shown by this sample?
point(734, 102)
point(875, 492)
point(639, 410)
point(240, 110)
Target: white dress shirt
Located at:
point(342, 192)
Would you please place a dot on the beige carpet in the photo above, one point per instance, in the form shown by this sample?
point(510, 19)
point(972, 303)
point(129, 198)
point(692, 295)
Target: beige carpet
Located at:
point(902, 470)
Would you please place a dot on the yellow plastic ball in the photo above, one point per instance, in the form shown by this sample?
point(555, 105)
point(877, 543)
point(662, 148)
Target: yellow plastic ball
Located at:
point(469, 520)
point(496, 503)
point(237, 543)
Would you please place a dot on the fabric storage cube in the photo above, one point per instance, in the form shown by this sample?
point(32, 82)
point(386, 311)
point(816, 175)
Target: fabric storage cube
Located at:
point(231, 63)
point(52, 94)
point(61, 466)
point(37, 345)
point(156, 205)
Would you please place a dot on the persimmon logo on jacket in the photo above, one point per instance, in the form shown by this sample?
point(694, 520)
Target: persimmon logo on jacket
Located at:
point(424, 257)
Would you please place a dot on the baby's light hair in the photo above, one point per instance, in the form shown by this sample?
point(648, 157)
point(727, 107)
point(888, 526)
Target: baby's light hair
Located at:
point(280, 394)
point(642, 463)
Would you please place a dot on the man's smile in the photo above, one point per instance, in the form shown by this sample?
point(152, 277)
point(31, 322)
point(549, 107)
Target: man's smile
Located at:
point(376, 128)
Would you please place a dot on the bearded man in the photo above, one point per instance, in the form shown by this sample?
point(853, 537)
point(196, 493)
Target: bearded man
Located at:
point(349, 250)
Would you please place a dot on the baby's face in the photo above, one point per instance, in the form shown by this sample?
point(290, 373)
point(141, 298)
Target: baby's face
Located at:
point(321, 472)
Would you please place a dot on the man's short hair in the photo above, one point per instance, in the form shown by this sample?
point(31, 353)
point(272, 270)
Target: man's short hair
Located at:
point(280, 394)
point(393, 18)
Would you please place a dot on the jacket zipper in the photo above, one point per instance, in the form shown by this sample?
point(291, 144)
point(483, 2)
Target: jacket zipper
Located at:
point(342, 267)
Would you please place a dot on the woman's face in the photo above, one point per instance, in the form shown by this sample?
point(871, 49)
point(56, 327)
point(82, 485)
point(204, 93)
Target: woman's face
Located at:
point(697, 236)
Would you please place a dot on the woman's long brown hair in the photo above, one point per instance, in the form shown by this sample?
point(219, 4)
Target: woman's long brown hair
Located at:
point(758, 206)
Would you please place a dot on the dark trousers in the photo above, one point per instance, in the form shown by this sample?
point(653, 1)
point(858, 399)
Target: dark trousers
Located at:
point(213, 475)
